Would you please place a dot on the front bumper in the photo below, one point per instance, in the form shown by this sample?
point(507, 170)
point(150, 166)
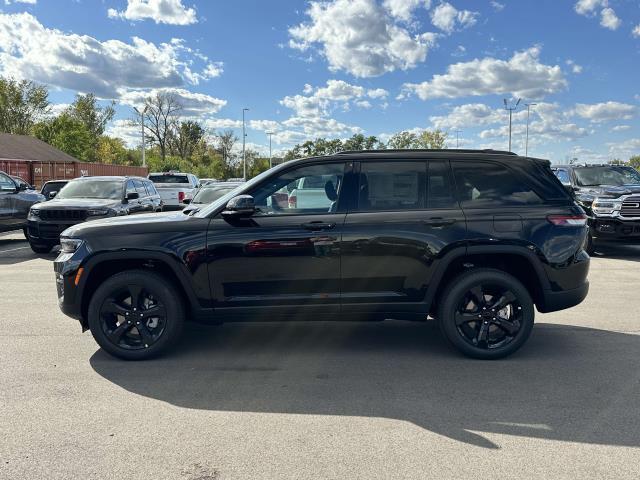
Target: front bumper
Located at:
point(48, 232)
point(69, 283)
point(615, 230)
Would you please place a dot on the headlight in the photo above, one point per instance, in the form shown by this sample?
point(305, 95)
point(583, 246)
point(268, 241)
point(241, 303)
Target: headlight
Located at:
point(98, 211)
point(34, 211)
point(603, 206)
point(69, 245)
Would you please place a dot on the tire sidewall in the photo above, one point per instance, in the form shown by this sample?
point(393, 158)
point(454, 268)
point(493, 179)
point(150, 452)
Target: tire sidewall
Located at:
point(152, 283)
point(459, 287)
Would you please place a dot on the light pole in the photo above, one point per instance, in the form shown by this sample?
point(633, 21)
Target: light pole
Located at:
point(511, 109)
point(244, 138)
point(526, 142)
point(270, 134)
point(146, 107)
point(457, 139)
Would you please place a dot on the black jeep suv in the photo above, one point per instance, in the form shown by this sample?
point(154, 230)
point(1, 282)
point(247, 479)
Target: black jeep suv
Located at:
point(610, 195)
point(474, 239)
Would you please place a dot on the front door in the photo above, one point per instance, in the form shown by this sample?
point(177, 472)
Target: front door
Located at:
point(406, 219)
point(285, 259)
point(7, 203)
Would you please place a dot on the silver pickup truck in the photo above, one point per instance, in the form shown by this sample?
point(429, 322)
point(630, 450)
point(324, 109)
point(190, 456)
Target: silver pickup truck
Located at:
point(174, 188)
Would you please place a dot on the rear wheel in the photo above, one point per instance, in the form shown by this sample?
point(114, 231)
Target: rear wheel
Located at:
point(136, 315)
point(486, 314)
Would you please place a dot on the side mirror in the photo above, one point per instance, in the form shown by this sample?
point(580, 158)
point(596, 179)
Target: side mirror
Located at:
point(240, 206)
point(53, 193)
point(132, 196)
point(21, 187)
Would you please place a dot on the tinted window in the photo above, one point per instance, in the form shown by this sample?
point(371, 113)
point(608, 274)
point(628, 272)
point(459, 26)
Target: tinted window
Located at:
point(151, 190)
point(108, 189)
point(131, 187)
point(142, 192)
point(273, 198)
point(484, 184)
point(563, 176)
point(440, 191)
point(392, 186)
point(168, 178)
point(52, 187)
point(6, 184)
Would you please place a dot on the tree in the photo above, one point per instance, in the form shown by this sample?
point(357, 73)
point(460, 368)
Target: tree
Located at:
point(432, 139)
point(402, 140)
point(113, 150)
point(161, 118)
point(225, 142)
point(86, 110)
point(635, 162)
point(22, 104)
point(67, 134)
point(185, 139)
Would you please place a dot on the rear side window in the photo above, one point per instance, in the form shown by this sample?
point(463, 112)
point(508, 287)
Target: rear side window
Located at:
point(392, 186)
point(440, 188)
point(486, 184)
point(150, 188)
point(140, 188)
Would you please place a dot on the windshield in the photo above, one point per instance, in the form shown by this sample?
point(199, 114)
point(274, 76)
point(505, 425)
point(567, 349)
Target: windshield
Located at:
point(211, 194)
point(106, 189)
point(168, 178)
point(591, 176)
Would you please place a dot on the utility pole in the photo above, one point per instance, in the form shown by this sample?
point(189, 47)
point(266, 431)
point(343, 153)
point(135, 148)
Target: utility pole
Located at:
point(244, 138)
point(457, 138)
point(146, 107)
point(511, 109)
point(526, 142)
point(270, 134)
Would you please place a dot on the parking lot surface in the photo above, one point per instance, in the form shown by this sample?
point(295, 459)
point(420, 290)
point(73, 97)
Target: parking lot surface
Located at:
point(320, 400)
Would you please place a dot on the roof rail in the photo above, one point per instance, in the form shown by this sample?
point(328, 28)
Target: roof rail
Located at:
point(428, 150)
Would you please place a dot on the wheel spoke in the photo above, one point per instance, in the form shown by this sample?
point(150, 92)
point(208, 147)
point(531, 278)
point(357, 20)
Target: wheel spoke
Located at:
point(466, 317)
point(481, 338)
point(136, 295)
point(119, 331)
point(155, 311)
point(504, 300)
point(510, 327)
point(478, 296)
point(145, 334)
point(111, 306)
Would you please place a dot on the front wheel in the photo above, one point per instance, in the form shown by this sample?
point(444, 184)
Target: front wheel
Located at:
point(136, 315)
point(486, 314)
point(40, 247)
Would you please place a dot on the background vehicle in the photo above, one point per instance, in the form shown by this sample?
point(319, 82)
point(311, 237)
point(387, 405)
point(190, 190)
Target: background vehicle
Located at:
point(15, 202)
point(610, 194)
point(51, 188)
point(175, 188)
point(23, 184)
point(89, 198)
point(310, 192)
point(476, 239)
point(209, 193)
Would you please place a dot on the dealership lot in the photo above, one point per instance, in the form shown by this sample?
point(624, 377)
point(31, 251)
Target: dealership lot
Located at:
point(326, 400)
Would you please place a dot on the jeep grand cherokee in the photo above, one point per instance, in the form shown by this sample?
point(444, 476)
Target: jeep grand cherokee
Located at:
point(475, 239)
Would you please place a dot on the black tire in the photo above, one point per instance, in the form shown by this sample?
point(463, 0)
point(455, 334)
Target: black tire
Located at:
point(126, 339)
point(508, 327)
point(26, 233)
point(40, 247)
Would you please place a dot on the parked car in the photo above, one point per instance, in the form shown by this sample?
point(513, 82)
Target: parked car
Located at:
point(89, 198)
point(15, 202)
point(22, 183)
point(51, 188)
point(475, 239)
point(310, 192)
point(207, 194)
point(610, 194)
point(175, 188)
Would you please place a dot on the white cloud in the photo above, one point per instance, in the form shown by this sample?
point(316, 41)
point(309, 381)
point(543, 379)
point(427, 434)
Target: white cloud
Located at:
point(29, 2)
point(221, 123)
point(588, 7)
point(575, 68)
point(82, 63)
point(497, 6)
point(403, 9)
point(523, 75)
point(445, 16)
point(193, 104)
point(363, 103)
point(621, 128)
point(624, 150)
point(605, 111)
point(171, 12)
point(636, 31)
point(360, 37)
point(128, 131)
point(264, 125)
point(470, 115)
point(609, 19)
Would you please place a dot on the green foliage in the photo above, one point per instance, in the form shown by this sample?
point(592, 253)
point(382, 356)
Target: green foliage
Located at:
point(186, 137)
point(635, 162)
point(67, 134)
point(402, 140)
point(22, 104)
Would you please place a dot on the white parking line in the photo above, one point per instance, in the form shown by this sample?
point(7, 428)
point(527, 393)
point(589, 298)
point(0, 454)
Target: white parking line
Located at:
point(13, 249)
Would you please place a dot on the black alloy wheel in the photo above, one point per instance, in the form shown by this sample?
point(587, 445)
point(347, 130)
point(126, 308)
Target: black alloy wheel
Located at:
point(135, 315)
point(486, 314)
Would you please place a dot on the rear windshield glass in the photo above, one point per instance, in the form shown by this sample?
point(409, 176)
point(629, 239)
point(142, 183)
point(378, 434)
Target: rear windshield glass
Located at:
point(52, 187)
point(107, 189)
point(168, 178)
point(607, 176)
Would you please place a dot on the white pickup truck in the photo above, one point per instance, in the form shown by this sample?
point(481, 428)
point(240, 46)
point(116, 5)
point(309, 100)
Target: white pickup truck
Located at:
point(174, 188)
point(310, 193)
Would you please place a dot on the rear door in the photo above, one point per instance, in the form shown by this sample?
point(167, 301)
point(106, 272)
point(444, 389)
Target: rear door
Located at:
point(145, 203)
point(405, 219)
point(7, 202)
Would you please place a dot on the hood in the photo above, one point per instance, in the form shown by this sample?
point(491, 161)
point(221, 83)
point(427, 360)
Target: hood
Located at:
point(131, 225)
point(610, 190)
point(79, 203)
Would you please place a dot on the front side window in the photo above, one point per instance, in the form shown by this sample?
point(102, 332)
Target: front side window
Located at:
point(312, 189)
point(6, 184)
point(142, 192)
point(485, 184)
point(105, 189)
point(394, 185)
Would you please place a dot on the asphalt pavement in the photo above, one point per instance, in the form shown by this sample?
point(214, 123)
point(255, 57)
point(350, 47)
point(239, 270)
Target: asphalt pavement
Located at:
point(385, 400)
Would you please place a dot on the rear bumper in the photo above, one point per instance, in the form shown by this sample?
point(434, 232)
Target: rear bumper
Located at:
point(554, 301)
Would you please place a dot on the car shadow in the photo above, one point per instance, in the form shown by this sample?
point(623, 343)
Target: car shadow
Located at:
point(16, 250)
point(618, 252)
point(568, 383)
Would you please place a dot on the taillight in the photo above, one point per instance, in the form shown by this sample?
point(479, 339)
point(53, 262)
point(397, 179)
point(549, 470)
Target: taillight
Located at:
point(293, 201)
point(180, 197)
point(568, 220)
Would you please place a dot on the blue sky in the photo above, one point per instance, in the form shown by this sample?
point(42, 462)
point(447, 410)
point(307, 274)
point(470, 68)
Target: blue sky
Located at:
point(333, 68)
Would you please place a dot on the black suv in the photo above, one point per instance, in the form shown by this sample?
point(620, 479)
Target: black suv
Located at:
point(89, 198)
point(474, 239)
point(610, 195)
